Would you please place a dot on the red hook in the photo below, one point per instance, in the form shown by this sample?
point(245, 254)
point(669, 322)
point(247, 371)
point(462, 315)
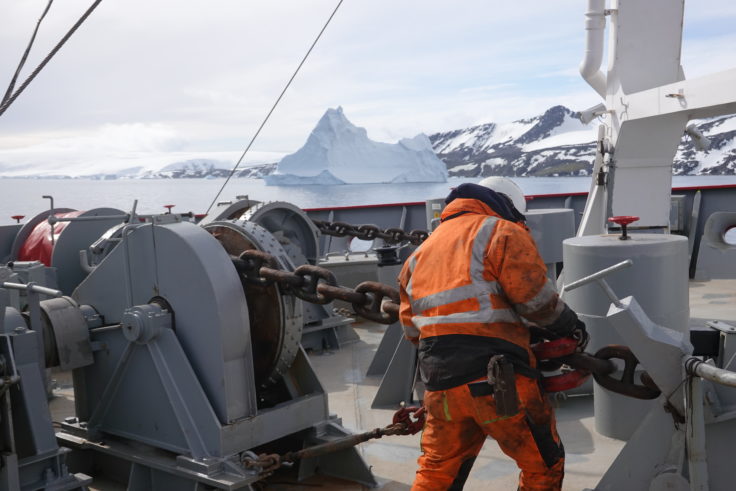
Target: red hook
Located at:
point(565, 381)
point(548, 350)
point(412, 417)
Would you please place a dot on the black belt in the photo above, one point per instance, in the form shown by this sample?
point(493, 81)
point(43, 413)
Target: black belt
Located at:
point(483, 388)
point(480, 389)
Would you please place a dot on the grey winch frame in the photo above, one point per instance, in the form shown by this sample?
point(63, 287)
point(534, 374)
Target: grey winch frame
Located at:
point(180, 371)
point(30, 457)
point(685, 441)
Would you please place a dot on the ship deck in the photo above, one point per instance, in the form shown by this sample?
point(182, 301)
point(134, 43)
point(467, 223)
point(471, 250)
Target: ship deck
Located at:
point(393, 459)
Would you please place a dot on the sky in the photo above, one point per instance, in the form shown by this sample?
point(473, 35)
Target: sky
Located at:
point(155, 81)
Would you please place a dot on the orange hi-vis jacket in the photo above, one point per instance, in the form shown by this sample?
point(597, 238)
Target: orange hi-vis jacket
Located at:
point(465, 289)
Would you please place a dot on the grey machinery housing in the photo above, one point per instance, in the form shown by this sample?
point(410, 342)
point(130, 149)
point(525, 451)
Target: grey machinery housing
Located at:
point(180, 370)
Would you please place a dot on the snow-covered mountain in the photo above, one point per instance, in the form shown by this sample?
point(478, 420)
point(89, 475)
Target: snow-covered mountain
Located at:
point(198, 168)
point(720, 159)
point(148, 165)
point(554, 143)
point(184, 169)
point(557, 143)
point(338, 152)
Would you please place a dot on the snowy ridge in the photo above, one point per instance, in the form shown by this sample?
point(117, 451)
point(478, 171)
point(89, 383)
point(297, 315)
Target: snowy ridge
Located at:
point(198, 168)
point(187, 169)
point(338, 152)
point(720, 159)
point(554, 143)
point(103, 162)
point(557, 143)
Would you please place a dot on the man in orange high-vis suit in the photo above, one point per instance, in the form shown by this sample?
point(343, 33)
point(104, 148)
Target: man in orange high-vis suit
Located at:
point(464, 293)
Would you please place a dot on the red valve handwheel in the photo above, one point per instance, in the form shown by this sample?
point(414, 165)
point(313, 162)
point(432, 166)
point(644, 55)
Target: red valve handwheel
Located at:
point(623, 220)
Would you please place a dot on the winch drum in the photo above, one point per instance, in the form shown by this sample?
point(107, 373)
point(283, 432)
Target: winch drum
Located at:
point(275, 319)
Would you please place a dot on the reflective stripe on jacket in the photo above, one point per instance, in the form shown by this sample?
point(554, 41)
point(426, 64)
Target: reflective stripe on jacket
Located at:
point(463, 292)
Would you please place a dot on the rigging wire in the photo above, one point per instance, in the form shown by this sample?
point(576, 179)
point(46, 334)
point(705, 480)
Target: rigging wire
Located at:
point(265, 120)
point(6, 103)
point(25, 55)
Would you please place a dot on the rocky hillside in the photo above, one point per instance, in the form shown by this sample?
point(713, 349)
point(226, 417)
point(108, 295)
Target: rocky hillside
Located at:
point(557, 143)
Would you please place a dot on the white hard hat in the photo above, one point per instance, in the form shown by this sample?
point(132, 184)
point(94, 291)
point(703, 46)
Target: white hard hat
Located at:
point(509, 188)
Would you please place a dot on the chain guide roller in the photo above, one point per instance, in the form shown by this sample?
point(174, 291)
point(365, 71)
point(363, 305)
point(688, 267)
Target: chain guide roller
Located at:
point(291, 226)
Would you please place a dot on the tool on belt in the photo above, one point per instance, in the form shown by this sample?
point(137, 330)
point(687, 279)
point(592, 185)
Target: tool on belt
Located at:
point(502, 377)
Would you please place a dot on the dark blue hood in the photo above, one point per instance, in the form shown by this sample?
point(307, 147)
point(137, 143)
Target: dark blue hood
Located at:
point(498, 202)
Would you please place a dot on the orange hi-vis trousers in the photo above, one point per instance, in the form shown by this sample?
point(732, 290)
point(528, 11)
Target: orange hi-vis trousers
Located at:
point(458, 424)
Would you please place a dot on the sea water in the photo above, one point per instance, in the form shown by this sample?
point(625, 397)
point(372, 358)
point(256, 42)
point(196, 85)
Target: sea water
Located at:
point(24, 196)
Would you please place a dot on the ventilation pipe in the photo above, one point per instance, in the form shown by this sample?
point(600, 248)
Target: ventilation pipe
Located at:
point(595, 25)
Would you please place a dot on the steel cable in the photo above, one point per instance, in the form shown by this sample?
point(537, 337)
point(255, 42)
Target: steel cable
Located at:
point(265, 120)
point(23, 59)
point(6, 104)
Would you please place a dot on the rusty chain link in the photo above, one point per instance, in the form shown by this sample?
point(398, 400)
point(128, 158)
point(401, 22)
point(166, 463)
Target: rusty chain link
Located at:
point(267, 464)
point(553, 355)
point(371, 232)
point(625, 383)
point(603, 369)
point(374, 307)
point(254, 261)
point(372, 300)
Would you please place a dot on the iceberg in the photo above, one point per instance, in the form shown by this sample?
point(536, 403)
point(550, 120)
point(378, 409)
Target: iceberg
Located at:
point(338, 152)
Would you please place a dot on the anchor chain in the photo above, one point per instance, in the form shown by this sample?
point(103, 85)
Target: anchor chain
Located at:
point(371, 232)
point(406, 421)
point(625, 384)
point(552, 355)
point(371, 300)
point(380, 303)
